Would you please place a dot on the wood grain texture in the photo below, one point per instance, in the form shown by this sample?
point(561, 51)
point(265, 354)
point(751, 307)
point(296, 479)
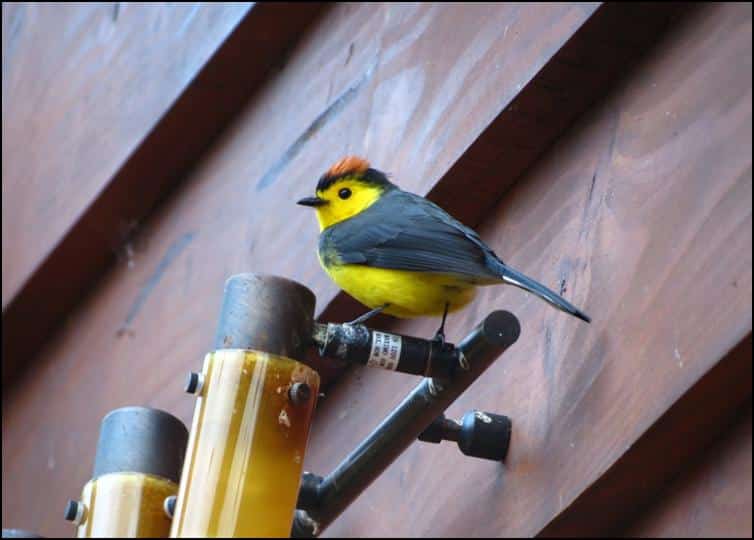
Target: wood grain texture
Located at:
point(596, 57)
point(642, 215)
point(368, 80)
point(687, 431)
point(83, 84)
point(155, 167)
point(591, 62)
point(712, 499)
point(260, 43)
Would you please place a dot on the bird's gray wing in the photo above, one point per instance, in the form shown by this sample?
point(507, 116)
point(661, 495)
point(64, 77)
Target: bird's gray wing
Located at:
point(403, 231)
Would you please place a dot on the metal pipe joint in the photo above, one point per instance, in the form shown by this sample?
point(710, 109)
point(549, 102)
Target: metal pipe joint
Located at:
point(321, 500)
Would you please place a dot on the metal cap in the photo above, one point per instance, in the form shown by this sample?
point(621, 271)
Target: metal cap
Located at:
point(140, 439)
point(266, 313)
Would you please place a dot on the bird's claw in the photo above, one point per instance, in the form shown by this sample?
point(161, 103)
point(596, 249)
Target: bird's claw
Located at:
point(440, 334)
point(368, 315)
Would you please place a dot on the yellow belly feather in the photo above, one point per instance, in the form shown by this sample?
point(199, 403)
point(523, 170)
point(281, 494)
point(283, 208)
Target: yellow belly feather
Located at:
point(410, 294)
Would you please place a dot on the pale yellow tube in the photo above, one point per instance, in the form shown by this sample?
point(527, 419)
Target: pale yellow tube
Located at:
point(246, 448)
point(126, 505)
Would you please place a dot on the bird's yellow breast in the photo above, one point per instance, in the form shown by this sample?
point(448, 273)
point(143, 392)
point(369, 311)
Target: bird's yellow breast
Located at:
point(409, 294)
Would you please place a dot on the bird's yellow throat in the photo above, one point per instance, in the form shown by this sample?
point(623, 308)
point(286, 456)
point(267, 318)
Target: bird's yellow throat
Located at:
point(362, 196)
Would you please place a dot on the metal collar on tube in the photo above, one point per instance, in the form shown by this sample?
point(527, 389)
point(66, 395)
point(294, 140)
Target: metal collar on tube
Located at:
point(141, 439)
point(266, 313)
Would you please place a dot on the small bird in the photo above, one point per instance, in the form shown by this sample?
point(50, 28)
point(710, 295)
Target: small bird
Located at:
point(401, 254)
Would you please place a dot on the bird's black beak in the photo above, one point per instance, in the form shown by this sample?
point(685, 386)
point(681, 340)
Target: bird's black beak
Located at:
point(312, 201)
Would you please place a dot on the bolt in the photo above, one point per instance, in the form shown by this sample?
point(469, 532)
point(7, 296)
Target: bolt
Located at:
point(169, 506)
point(74, 511)
point(299, 393)
point(194, 383)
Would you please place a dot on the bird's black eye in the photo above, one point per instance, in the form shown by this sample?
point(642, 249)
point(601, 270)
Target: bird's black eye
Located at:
point(344, 193)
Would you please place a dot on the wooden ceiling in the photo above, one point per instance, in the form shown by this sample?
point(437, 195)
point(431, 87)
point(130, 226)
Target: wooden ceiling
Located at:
point(604, 149)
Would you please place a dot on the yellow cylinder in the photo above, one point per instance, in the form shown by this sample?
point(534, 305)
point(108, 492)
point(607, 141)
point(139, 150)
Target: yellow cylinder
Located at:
point(246, 448)
point(126, 505)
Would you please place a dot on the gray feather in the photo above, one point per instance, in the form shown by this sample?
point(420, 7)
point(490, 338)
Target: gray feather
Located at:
point(403, 231)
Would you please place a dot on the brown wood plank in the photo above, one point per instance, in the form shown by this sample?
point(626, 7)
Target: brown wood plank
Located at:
point(162, 303)
point(712, 499)
point(368, 80)
point(596, 58)
point(83, 85)
point(219, 89)
point(635, 483)
point(642, 215)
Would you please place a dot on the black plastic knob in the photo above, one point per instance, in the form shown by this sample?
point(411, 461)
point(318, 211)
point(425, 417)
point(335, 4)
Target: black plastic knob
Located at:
point(485, 435)
point(479, 434)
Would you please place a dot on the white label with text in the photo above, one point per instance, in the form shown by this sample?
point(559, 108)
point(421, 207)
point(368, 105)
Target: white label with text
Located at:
point(386, 351)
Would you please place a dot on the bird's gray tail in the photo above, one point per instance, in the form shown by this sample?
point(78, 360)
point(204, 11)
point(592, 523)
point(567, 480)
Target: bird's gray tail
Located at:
point(518, 279)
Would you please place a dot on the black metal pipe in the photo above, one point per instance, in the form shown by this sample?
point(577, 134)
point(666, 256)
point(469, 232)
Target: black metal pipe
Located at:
point(355, 343)
point(330, 497)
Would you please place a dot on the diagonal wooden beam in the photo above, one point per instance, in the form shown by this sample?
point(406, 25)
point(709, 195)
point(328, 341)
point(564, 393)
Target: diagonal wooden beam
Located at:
point(83, 85)
point(564, 380)
point(260, 43)
point(716, 489)
point(590, 64)
point(694, 422)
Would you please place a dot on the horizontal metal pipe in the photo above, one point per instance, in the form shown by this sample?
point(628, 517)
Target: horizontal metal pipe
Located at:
point(417, 411)
point(355, 343)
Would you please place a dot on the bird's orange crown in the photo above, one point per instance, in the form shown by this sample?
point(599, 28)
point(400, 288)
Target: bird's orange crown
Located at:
point(348, 165)
point(353, 166)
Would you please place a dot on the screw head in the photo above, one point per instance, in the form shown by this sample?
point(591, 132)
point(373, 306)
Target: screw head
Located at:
point(194, 383)
point(169, 506)
point(74, 511)
point(299, 393)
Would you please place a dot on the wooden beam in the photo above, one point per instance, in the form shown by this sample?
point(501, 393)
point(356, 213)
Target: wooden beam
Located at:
point(711, 498)
point(253, 52)
point(83, 85)
point(680, 437)
point(592, 217)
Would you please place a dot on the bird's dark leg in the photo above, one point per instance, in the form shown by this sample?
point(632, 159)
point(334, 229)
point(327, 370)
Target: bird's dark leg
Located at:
point(440, 334)
point(368, 315)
